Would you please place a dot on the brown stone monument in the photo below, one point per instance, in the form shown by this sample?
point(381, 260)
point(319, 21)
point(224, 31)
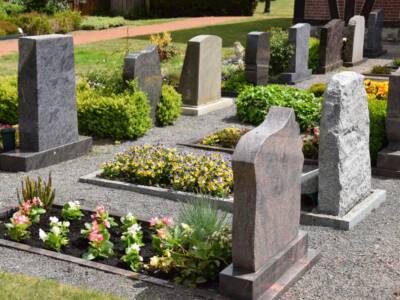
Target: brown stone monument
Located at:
point(269, 251)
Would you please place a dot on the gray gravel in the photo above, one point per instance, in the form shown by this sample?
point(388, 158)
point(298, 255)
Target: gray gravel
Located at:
point(361, 264)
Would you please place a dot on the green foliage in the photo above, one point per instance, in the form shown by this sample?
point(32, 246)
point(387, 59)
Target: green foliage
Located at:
point(44, 6)
point(17, 229)
point(7, 28)
point(8, 100)
point(311, 143)
point(71, 211)
point(8, 8)
point(39, 188)
point(226, 138)
point(34, 23)
point(97, 23)
point(169, 108)
point(165, 47)
point(253, 104)
point(318, 89)
point(281, 51)
point(66, 21)
point(166, 167)
point(234, 78)
point(377, 116)
point(313, 58)
point(396, 61)
point(382, 70)
point(132, 238)
point(57, 237)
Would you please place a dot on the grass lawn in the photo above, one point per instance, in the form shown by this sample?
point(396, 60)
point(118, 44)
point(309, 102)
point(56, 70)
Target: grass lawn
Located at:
point(279, 8)
point(15, 286)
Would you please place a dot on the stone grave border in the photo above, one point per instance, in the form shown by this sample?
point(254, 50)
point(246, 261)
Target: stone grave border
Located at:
point(6, 212)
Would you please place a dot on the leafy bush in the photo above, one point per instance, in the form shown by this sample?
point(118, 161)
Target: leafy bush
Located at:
point(382, 70)
point(311, 143)
point(9, 8)
point(34, 23)
point(234, 78)
point(165, 167)
point(318, 89)
point(377, 116)
point(281, 51)
point(8, 100)
point(253, 104)
point(45, 6)
point(190, 8)
point(313, 58)
point(169, 108)
point(225, 138)
point(396, 62)
point(66, 21)
point(97, 23)
point(197, 248)
point(7, 28)
point(120, 116)
point(163, 41)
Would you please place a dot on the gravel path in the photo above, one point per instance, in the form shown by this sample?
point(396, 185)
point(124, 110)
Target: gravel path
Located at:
point(361, 264)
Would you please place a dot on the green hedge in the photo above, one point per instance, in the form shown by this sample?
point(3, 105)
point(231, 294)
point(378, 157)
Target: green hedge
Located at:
point(189, 8)
point(169, 109)
point(281, 51)
point(313, 60)
point(377, 118)
point(8, 100)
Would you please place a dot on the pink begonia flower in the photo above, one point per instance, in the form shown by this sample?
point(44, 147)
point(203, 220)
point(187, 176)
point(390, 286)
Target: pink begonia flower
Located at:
point(26, 207)
point(36, 201)
point(153, 222)
point(20, 219)
point(106, 223)
point(161, 233)
point(95, 226)
point(96, 237)
point(168, 221)
point(100, 209)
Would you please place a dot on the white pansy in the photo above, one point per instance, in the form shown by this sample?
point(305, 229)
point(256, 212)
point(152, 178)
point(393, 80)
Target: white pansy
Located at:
point(43, 235)
point(53, 220)
point(56, 230)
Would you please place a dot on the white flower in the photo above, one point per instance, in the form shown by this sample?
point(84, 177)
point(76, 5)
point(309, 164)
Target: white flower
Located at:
point(134, 229)
point(43, 235)
point(74, 204)
point(53, 220)
point(135, 247)
point(56, 230)
point(66, 224)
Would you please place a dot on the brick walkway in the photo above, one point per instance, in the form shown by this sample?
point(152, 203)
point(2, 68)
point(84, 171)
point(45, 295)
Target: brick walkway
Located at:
point(85, 37)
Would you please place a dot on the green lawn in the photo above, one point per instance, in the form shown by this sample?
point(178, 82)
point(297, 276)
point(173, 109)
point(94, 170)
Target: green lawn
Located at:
point(279, 8)
point(20, 287)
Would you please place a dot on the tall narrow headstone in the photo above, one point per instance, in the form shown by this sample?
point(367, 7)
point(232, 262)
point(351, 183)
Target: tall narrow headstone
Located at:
point(48, 121)
point(144, 67)
point(257, 57)
point(299, 36)
point(269, 252)
point(374, 37)
point(344, 159)
point(331, 44)
point(354, 49)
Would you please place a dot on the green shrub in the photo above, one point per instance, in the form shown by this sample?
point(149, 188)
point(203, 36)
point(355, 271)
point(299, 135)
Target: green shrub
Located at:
point(7, 28)
point(46, 6)
point(66, 21)
point(382, 70)
point(34, 23)
point(253, 104)
point(225, 138)
point(9, 8)
point(234, 78)
point(166, 167)
point(169, 108)
point(281, 51)
point(396, 62)
point(97, 23)
point(318, 89)
point(313, 58)
point(377, 116)
point(118, 116)
point(8, 100)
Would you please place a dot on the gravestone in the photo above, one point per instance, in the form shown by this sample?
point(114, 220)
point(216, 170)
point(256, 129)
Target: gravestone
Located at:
point(299, 36)
point(48, 123)
point(374, 37)
point(257, 57)
point(331, 44)
point(144, 67)
point(268, 250)
point(388, 161)
point(200, 83)
point(354, 49)
point(344, 160)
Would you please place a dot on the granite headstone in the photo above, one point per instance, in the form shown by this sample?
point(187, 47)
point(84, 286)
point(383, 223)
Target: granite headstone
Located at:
point(354, 48)
point(299, 36)
point(266, 241)
point(144, 67)
point(374, 37)
point(344, 159)
point(331, 44)
point(257, 57)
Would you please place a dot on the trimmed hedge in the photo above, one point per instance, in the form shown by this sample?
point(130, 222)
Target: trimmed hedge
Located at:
point(377, 135)
point(8, 100)
point(191, 8)
point(169, 108)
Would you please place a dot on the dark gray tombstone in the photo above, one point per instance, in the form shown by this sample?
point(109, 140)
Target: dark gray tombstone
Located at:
point(299, 36)
point(374, 37)
point(269, 252)
point(354, 48)
point(257, 57)
point(48, 122)
point(331, 44)
point(144, 67)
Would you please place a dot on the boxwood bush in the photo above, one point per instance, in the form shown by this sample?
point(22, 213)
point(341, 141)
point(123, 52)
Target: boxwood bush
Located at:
point(377, 118)
point(169, 108)
point(253, 104)
point(281, 51)
point(313, 58)
point(8, 100)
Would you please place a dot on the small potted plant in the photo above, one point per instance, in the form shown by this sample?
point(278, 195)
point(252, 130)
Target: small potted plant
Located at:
point(7, 133)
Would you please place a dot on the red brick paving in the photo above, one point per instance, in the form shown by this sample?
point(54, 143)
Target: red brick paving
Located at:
point(85, 37)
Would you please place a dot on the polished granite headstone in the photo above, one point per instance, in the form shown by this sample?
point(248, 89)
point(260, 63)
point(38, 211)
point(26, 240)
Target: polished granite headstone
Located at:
point(331, 44)
point(269, 251)
point(48, 124)
point(374, 38)
point(257, 57)
point(354, 48)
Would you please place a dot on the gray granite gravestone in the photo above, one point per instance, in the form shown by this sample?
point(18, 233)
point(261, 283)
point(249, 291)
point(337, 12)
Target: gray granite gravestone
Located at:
point(269, 252)
point(48, 122)
point(200, 82)
point(374, 37)
point(299, 36)
point(354, 49)
point(145, 68)
point(331, 46)
point(257, 57)
point(388, 162)
point(344, 160)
